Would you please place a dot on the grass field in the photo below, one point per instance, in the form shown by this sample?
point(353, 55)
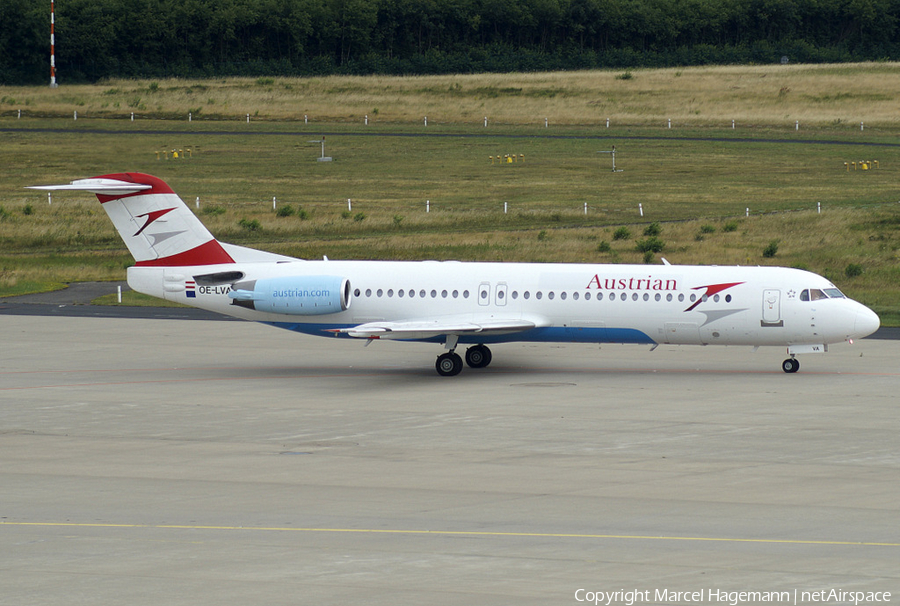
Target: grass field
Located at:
point(696, 179)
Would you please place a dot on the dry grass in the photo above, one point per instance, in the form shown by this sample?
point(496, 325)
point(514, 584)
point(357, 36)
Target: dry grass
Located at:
point(771, 95)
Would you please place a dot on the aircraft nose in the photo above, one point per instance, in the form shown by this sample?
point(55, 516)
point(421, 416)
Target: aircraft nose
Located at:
point(867, 322)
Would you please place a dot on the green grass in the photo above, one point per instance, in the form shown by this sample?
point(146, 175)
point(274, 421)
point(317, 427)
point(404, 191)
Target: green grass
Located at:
point(688, 180)
point(134, 299)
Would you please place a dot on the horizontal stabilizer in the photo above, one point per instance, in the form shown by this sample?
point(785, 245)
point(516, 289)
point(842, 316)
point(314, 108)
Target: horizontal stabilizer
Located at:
point(110, 187)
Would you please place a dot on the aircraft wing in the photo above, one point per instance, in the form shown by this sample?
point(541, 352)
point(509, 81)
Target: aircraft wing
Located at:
point(428, 329)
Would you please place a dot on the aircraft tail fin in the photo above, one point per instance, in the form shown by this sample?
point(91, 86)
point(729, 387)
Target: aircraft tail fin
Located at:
point(156, 225)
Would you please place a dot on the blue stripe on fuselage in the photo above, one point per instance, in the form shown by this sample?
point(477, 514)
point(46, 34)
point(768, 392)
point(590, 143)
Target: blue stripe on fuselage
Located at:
point(553, 334)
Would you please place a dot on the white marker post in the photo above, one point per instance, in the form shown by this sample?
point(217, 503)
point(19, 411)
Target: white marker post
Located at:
point(641, 209)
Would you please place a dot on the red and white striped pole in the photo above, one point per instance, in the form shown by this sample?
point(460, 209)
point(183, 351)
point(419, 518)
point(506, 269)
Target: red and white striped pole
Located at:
point(52, 46)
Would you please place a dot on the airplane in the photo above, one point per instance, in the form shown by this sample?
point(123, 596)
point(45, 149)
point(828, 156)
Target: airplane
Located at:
point(473, 303)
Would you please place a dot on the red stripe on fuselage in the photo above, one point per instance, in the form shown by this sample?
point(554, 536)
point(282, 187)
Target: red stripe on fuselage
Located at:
point(210, 253)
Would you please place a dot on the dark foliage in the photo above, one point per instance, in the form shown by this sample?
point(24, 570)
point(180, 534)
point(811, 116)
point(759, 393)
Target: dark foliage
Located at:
point(199, 38)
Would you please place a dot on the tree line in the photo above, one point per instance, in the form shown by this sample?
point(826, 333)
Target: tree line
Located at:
point(98, 39)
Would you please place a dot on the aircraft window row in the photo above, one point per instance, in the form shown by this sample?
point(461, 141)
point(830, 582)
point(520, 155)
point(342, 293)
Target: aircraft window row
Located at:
point(411, 293)
point(814, 294)
point(455, 294)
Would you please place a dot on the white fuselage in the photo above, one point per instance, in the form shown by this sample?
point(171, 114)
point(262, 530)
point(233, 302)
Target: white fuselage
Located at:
point(653, 304)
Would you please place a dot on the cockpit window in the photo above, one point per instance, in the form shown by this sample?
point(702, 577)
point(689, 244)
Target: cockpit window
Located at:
point(814, 294)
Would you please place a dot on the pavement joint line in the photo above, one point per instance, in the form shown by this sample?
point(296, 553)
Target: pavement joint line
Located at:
point(476, 533)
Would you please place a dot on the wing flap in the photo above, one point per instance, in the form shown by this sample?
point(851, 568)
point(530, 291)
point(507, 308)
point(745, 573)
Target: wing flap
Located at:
point(429, 329)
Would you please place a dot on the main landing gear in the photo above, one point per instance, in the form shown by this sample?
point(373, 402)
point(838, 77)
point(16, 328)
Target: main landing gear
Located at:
point(791, 365)
point(451, 364)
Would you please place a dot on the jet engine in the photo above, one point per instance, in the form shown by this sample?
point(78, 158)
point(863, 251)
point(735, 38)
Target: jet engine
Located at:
point(295, 295)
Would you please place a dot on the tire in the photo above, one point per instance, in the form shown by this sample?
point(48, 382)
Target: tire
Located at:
point(791, 365)
point(478, 356)
point(448, 365)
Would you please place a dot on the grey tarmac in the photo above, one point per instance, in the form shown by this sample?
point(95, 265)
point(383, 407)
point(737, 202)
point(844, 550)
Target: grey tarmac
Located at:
point(153, 461)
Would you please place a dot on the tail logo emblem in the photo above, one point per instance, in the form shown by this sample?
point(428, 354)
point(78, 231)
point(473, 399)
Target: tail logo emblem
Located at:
point(151, 217)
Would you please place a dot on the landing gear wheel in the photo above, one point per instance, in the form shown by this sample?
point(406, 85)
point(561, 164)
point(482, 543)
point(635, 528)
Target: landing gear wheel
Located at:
point(478, 356)
point(790, 365)
point(448, 364)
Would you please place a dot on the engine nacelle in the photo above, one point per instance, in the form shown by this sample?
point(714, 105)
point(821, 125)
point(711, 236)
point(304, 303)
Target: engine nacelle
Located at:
point(295, 295)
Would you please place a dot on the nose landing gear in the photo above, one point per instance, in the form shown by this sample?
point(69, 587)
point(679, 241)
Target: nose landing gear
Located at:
point(791, 365)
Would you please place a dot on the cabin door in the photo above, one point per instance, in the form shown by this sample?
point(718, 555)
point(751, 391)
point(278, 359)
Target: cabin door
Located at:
point(771, 311)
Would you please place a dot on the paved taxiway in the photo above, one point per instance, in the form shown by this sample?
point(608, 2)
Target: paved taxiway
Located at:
point(171, 462)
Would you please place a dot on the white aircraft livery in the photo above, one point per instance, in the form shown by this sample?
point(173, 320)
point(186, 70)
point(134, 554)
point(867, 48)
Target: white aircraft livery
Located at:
point(454, 303)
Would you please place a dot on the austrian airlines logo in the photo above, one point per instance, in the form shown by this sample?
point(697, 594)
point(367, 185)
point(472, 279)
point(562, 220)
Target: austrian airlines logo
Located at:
point(151, 217)
point(711, 290)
